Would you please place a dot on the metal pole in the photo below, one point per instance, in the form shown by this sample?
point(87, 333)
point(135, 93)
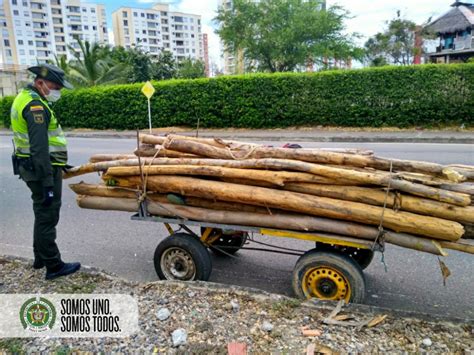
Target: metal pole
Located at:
point(149, 114)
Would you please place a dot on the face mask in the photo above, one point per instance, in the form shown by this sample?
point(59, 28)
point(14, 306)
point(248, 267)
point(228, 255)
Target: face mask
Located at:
point(53, 96)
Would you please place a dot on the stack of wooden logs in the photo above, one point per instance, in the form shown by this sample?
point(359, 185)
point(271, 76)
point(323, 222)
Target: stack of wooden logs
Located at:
point(351, 193)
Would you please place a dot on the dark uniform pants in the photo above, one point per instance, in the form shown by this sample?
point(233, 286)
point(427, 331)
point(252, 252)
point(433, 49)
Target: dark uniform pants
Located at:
point(46, 219)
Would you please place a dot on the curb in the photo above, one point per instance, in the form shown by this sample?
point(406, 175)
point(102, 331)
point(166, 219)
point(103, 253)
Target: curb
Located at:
point(264, 296)
point(276, 138)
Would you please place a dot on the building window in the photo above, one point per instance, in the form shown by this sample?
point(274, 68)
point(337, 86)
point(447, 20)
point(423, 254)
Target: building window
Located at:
point(125, 22)
point(144, 32)
point(94, 28)
point(25, 3)
point(86, 27)
point(142, 14)
point(8, 52)
point(30, 43)
point(14, 2)
point(6, 42)
point(93, 10)
point(124, 14)
point(22, 52)
point(135, 14)
point(126, 31)
point(20, 42)
point(16, 13)
point(84, 9)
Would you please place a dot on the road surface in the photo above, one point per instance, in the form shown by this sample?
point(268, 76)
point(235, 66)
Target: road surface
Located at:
point(111, 241)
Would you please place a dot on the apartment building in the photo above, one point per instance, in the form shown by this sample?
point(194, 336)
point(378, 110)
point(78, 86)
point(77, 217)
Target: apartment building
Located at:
point(158, 29)
point(34, 31)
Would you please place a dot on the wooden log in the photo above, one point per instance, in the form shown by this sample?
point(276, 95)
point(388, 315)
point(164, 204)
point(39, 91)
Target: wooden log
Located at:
point(358, 178)
point(151, 139)
point(222, 143)
point(465, 188)
point(277, 221)
point(109, 191)
point(377, 197)
point(96, 158)
point(313, 205)
point(278, 164)
point(160, 152)
point(460, 245)
point(313, 156)
point(273, 177)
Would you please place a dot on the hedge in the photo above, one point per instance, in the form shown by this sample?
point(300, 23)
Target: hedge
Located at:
point(423, 95)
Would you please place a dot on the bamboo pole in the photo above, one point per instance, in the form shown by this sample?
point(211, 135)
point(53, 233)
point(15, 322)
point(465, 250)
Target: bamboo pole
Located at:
point(278, 221)
point(378, 197)
point(314, 205)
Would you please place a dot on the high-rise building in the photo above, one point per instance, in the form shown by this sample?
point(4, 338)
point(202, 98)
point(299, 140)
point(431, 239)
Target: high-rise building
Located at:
point(234, 62)
point(157, 29)
point(205, 44)
point(33, 31)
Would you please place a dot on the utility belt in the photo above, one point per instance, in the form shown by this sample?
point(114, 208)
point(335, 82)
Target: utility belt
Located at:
point(25, 162)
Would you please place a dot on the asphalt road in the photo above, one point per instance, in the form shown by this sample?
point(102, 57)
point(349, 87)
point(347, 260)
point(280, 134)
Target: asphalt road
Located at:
point(111, 241)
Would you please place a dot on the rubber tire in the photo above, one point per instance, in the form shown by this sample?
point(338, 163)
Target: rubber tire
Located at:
point(192, 245)
point(220, 243)
point(342, 263)
point(363, 257)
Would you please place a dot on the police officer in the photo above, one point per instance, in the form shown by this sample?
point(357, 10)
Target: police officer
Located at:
point(40, 156)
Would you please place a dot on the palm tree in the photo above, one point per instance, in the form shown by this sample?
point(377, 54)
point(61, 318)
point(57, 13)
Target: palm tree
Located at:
point(60, 62)
point(93, 67)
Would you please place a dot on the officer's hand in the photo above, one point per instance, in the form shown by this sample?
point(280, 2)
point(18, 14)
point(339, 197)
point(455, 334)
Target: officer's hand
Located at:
point(48, 196)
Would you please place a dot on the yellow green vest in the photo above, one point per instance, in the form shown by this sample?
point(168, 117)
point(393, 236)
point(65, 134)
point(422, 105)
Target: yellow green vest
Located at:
point(57, 140)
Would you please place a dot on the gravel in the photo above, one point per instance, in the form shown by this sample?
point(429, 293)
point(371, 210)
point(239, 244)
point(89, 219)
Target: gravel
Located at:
point(202, 319)
point(163, 314)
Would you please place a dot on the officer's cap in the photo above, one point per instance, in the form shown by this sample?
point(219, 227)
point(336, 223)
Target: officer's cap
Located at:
point(51, 73)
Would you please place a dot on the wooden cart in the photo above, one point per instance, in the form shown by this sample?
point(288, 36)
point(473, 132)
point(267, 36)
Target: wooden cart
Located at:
point(330, 271)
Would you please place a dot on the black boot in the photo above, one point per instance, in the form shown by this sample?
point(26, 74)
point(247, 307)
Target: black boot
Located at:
point(66, 269)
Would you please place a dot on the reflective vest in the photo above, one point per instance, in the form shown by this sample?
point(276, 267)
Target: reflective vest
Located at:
point(57, 140)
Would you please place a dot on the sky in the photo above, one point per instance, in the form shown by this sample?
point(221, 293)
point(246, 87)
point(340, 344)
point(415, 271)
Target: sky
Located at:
point(368, 16)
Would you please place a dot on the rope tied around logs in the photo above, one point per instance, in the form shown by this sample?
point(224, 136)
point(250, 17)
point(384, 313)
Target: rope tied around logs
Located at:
point(142, 196)
point(380, 239)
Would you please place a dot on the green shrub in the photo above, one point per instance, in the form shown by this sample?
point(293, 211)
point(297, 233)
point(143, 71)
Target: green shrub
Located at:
point(422, 95)
point(5, 105)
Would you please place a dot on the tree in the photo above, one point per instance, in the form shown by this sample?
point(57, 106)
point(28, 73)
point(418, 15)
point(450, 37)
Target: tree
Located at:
point(60, 62)
point(92, 66)
point(165, 67)
point(191, 69)
point(282, 35)
point(395, 45)
point(138, 62)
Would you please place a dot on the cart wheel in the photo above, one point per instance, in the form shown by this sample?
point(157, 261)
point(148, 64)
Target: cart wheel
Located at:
point(328, 275)
point(182, 257)
point(233, 240)
point(363, 257)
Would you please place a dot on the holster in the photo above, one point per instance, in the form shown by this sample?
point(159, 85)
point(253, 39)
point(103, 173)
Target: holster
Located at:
point(16, 164)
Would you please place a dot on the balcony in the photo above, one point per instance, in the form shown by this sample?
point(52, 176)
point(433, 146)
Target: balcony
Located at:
point(456, 44)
